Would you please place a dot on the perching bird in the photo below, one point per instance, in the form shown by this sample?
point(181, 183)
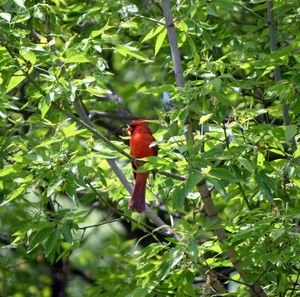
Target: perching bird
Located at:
point(140, 141)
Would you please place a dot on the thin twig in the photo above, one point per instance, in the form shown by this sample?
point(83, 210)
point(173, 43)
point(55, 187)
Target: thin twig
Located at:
point(225, 135)
point(99, 135)
point(295, 284)
point(100, 224)
point(115, 210)
point(94, 114)
point(251, 11)
point(174, 176)
point(244, 196)
point(148, 19)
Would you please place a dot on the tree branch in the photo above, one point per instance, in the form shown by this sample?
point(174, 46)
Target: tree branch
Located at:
point(173, 43)
point(202, 187)
point(96, 114)
point(220, 232)
point(178, 72)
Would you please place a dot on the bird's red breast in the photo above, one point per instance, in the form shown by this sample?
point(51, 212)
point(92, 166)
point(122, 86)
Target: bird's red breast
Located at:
point(140, 147)
point(141, 139)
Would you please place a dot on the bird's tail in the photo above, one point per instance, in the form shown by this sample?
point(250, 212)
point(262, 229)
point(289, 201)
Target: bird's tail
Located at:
point(137, 201)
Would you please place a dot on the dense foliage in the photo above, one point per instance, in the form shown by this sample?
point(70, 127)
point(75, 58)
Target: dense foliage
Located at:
point(64, 224)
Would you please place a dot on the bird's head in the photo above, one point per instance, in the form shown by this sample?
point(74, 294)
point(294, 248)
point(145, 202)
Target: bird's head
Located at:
point(137, 123)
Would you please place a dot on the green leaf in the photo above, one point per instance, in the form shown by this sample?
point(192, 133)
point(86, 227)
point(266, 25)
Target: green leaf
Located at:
point(295, 155)
point(154, 163)
point(182, 26)
point(75, 57)
point(96, 33)
point(290, 132)
point(193, 251)
point(126, 50)
point(260, 112)
point(39, 238)
point(28, 55)
point(228, 4)
point(53, 186)
point(44, 106)
point(173, 258)
point(246, 164)
point(15, 80)
point(218, 186)
point(179, 194)
point(72, 130)
point(217, 83)
point(222, 174)
point(275, 234)
point(47, 143)
point(197, 60)
point(138, 292)
point(193, 179)
point(263, 187)
point(153, 33)
point(51, 242)
point(6, 16)
point(7, 170)
point(159, 41)
point(211, 9)
point(283, 283)
point(105, 152)
point(14, 194)
point(71, 192)
point(20, 3)
point(205, 118)
point(181, 198)
point(66, 231)
point(97, 91)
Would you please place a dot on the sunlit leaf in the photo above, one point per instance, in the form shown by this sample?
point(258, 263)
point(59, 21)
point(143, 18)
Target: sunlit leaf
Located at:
point(14, 194)
point(51, 242)
point(159, 41)
point(39, 237)
point(126, 50)
point(15, 80)
point(290, 132)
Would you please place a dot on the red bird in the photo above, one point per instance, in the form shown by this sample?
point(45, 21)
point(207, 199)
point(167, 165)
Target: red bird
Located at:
point(140, 140)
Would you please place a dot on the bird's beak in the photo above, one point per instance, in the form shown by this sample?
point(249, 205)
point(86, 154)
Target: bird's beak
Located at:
point(128, 129)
